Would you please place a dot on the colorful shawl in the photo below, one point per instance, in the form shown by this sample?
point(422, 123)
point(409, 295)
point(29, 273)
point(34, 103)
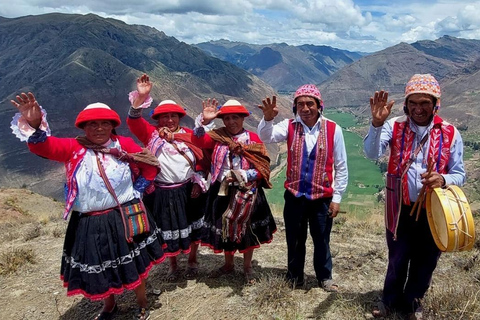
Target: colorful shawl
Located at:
point(255, 153)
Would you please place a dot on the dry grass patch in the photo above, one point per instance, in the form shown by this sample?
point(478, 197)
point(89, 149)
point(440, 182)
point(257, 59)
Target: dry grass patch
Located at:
point(274, 296)
point(13, 204)
point(458, 300)
point(58, 232)
point(32, 232)
point(13, 259)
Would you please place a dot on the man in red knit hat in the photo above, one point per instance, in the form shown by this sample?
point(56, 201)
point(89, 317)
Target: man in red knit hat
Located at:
point(317, 177)
point(416, 139)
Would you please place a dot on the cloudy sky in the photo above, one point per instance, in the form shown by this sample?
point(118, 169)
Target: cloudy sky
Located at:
point(360, 25)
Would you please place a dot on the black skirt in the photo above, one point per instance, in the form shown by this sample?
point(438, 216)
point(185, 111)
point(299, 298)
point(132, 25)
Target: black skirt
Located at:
point(178, 216)
point(97, 259)
point(260, 228)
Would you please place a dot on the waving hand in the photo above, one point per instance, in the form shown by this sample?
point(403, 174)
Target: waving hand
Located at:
point(144, 86)
point(28, 106)
point(269, 108)
point(380, 108)
point(210, 110)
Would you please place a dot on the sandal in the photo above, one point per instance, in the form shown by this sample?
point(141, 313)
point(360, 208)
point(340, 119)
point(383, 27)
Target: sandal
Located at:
point(222, 271)
point(142, 314)
point(380, 310)
point(104, 315)
point(191, 273)
point(329, 285)
point(250, 277)
point(172, 276)
point(417, 314)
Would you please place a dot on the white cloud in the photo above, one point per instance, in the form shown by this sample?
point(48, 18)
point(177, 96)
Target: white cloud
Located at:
point(356, 25)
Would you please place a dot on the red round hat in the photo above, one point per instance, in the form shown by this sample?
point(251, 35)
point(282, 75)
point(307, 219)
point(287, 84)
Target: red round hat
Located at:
point(233, 107)
point(97, 111)
point(167, 106)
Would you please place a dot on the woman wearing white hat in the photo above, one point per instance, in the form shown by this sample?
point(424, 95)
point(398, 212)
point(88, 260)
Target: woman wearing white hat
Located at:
point(99, 259)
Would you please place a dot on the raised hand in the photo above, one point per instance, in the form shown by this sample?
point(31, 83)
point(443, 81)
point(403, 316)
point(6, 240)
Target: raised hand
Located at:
point(28, 106)
point(380, 108)
point(210, 110)
point(269, 108)
point(144, 86)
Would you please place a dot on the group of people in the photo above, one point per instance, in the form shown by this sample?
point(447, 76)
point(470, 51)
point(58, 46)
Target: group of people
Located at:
point(206, 186)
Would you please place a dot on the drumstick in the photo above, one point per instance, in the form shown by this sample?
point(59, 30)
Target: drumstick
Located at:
point(431, 165)
point(418, 204)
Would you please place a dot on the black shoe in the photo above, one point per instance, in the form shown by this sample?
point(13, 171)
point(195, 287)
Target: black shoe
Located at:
point(296, 283)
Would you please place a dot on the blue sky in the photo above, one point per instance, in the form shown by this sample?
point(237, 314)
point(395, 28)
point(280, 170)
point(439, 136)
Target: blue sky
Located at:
point(360, 25)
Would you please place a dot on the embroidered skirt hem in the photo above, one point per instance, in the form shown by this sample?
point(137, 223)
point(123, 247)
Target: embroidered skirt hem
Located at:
point(97, 259)
point(178, 216)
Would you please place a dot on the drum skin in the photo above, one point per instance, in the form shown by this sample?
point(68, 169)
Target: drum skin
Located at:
point(450, 219)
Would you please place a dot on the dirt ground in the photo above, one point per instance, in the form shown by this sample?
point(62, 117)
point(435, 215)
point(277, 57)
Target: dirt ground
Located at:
point(34, 291)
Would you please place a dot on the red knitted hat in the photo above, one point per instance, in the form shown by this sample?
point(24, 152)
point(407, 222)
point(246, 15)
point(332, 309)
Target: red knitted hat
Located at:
point(233, 107)
point(167, 106)
point(97, 111)
point(309, 90)
point(424, 83)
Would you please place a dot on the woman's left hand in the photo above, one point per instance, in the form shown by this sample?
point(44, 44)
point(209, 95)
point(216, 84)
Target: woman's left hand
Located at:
point(144, 86)
point(196, 191)
point(209, 111)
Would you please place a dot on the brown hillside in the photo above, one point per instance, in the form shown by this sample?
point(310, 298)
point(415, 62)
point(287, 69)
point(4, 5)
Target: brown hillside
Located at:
point(31, 227)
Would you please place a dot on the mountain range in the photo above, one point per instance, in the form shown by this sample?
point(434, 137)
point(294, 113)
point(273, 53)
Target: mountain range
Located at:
point(453, 61)
point(69, 61)
point(282, 66)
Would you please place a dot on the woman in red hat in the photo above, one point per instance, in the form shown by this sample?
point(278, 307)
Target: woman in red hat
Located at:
point(178, 201)
point(237, 215)
point(98, 260)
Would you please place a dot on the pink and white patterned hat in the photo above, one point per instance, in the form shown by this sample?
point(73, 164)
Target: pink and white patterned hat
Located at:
point(424, 83)
point(309, 90)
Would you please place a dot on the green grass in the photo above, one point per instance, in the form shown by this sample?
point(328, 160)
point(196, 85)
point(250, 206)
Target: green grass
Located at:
point(468, 153)
point(345, 120)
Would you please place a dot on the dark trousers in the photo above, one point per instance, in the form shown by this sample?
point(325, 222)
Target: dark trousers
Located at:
point(298, 214)
point(412, 258)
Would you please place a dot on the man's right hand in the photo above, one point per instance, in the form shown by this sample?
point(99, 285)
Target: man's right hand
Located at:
point(380, 107)
point(269, 108)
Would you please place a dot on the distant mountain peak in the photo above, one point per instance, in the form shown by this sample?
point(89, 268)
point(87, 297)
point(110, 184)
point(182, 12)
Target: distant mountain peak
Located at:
point(283, 66)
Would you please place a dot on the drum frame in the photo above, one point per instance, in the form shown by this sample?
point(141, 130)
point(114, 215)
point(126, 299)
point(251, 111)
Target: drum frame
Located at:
point(460, 230)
